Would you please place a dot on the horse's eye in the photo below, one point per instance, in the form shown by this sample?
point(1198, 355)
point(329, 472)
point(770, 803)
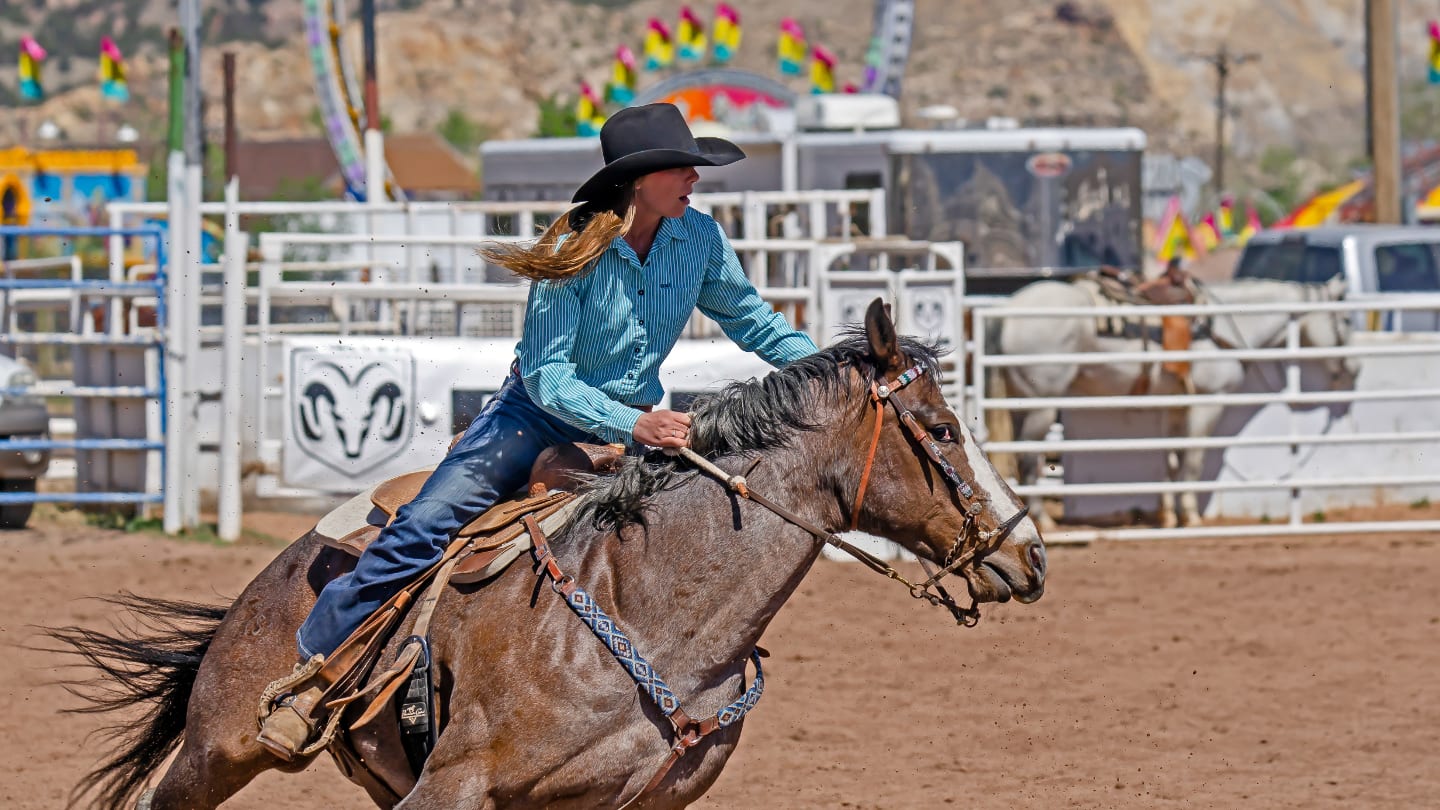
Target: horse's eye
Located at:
point(943, 433)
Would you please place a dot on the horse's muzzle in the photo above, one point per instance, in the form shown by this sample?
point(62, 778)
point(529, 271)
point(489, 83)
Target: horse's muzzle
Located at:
point(1015, 571)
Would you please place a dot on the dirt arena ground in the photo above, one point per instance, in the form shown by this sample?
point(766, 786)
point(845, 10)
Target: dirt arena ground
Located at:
point(1266, 673)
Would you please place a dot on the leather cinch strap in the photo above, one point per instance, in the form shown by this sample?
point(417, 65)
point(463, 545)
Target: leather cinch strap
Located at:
point(688, 732)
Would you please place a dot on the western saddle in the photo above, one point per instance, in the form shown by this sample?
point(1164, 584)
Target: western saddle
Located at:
point(482, 549)
point(496, 537)
point(1174, 287)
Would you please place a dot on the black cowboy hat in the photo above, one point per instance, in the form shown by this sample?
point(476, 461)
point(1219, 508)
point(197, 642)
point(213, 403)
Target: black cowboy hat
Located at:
point(639, 140)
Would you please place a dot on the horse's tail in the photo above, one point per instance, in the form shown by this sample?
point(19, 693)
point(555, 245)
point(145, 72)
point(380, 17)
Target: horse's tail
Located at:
point(999, 425)
point(151, 660)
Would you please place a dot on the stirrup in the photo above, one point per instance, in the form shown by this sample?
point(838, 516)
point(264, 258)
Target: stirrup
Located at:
point(285, 729)
point(281, 687)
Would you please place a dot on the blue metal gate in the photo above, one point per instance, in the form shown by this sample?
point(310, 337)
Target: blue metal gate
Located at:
point(95, 452)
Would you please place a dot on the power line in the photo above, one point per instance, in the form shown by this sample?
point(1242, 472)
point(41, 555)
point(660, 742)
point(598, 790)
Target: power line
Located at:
point(1222, 60)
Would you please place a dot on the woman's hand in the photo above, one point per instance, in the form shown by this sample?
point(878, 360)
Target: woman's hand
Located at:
point(663, 429)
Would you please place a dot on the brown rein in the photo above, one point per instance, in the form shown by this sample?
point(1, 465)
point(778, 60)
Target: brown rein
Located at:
point(955, 559)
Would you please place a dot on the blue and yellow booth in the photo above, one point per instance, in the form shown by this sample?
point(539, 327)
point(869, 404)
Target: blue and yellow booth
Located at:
point(66, 187)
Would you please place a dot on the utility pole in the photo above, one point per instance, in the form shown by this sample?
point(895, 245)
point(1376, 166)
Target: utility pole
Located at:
point(232, 162)
point(1382, 109)
point(1222, 60)
point(373, 139)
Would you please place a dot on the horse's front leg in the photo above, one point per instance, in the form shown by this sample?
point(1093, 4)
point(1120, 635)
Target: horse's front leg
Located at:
point(1172, 425)
point(1032, 426)
point(1200, 421)
point(450, 784)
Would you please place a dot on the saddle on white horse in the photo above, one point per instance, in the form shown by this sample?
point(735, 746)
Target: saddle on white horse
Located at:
point(1114, 291)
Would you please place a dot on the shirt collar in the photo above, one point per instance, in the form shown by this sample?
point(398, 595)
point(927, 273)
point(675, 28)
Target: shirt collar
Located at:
point(670, 229)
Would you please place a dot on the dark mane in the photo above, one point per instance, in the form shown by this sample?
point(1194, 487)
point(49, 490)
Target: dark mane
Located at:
point(747, 416)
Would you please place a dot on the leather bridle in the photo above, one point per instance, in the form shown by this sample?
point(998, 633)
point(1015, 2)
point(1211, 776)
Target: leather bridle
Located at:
point(960, 554)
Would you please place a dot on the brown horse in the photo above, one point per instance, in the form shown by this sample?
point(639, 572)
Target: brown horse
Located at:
point(533, 710)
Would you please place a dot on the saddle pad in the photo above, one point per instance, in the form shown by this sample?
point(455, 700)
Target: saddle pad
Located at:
point(357, 513)
point(390, 495)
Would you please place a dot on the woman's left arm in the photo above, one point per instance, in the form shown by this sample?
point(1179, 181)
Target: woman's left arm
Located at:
point(728, 297)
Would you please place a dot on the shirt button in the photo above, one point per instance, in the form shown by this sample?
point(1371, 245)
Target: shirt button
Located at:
point(642, 321)
point(641, 292)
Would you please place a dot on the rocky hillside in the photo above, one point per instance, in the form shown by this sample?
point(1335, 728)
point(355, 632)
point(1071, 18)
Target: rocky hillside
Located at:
point(1086, 61)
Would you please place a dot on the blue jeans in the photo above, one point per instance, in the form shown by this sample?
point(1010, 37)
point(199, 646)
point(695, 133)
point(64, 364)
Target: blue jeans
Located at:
point(492, 460)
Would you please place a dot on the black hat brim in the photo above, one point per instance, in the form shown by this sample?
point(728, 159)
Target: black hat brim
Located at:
point(605, 183)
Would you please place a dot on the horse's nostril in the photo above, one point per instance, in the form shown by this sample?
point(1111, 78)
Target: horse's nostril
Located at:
point(1036, 552)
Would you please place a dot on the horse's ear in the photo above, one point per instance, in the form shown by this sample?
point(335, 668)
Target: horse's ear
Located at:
point(1336, 288)
point(880, 331)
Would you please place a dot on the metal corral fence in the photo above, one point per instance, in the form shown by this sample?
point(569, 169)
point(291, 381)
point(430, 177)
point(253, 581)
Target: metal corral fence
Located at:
point(1282, 457)
point(814, 291)
point(102, 369)
point(413, 272)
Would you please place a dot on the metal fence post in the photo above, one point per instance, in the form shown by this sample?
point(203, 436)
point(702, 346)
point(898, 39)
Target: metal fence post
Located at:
point(232, 388)
point(176, 417)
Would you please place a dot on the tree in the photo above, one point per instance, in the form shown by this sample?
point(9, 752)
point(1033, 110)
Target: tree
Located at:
point(462, 132)
point(557, 117)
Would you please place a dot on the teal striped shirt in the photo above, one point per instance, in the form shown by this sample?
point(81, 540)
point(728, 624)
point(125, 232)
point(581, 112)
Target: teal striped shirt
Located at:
point(592, 346)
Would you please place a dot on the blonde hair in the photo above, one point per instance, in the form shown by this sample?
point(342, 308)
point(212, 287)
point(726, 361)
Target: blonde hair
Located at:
point(553, 257)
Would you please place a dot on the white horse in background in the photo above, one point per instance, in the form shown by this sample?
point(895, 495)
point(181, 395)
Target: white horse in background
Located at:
point(1018, 336)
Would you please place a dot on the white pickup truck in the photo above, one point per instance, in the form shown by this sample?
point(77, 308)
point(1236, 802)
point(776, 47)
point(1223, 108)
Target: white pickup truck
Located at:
point(1377, 261)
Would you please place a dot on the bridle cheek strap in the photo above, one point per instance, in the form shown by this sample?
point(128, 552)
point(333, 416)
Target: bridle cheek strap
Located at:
point(869, 457)
point(879, 395)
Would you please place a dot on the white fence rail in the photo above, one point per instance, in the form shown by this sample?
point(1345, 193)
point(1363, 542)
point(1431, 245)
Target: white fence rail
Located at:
point(798, 277)
point(1271, 454)
point(394, 270)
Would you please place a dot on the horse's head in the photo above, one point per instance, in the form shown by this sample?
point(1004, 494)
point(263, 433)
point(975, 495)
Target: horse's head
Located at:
point(931, 488)
point(1330, 330)
point(1322, 329)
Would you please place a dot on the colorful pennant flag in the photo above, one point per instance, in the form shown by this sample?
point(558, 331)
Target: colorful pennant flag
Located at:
point(1321, 208)
point(792, 47)
point(690, 35)
point(1252, 225)
point(822, 71)
point(588, 117)
point(1207, 233)
point(1434, 60)
point(726, 33)
point(621, 87)
point(1225, 217)
point(659, 47)
point(112, 71)
point(32, 56)
point(1174, 234)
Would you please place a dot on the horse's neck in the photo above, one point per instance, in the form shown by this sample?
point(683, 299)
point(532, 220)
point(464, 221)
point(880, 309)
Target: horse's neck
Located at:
point(708, 571)
point(1252, 331)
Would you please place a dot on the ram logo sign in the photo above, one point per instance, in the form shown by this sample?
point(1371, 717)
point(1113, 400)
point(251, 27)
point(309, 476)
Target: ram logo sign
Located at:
point(350, 410)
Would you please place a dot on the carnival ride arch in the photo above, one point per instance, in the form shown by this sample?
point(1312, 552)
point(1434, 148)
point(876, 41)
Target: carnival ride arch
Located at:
point(889, 50)
point(342, 104)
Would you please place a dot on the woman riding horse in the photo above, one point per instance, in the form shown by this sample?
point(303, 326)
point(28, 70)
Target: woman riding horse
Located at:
point(616, 281)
